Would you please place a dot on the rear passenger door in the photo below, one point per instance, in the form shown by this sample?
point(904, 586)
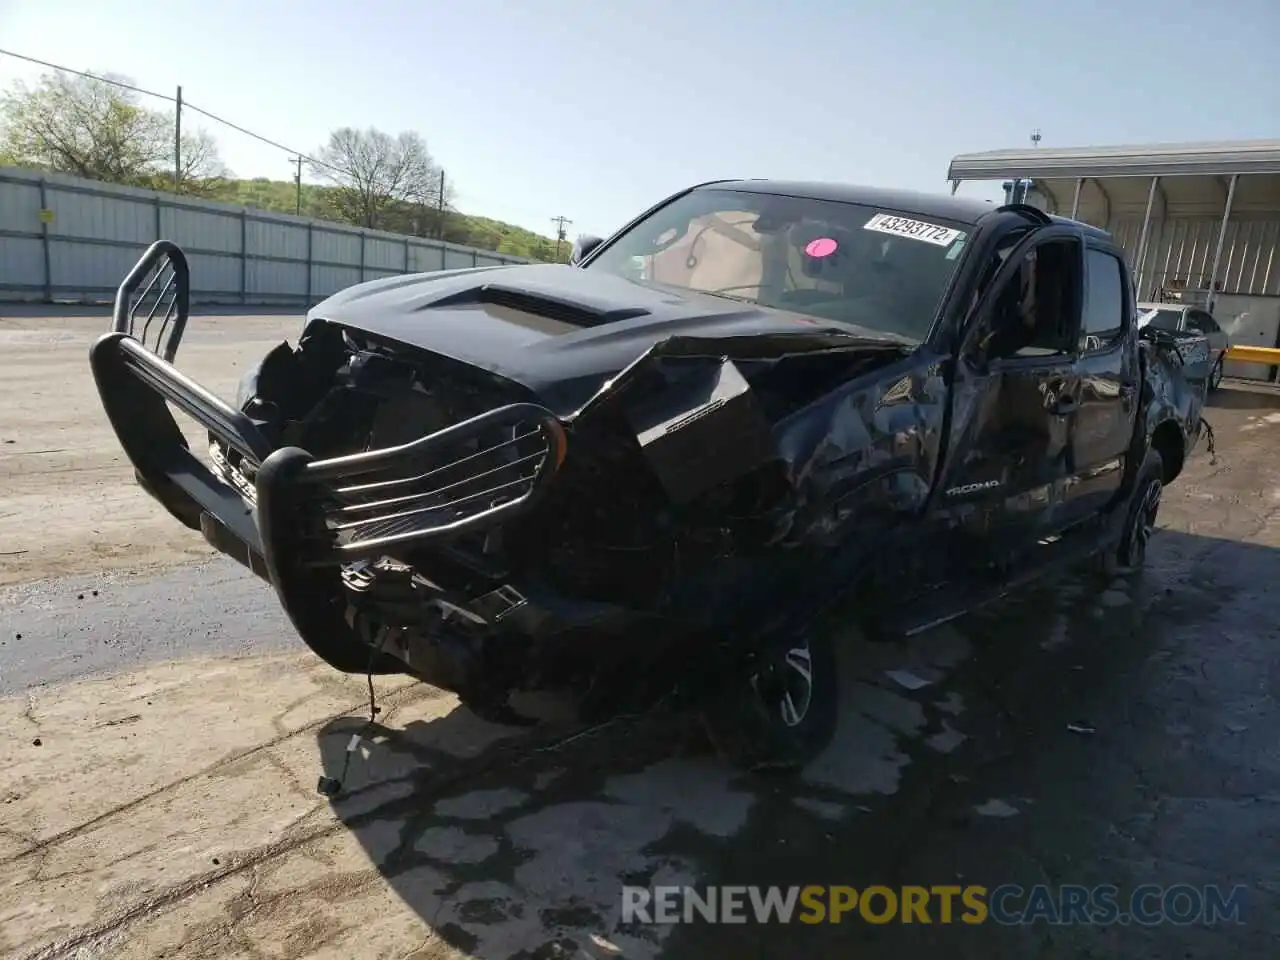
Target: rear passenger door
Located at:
point(1106, 360)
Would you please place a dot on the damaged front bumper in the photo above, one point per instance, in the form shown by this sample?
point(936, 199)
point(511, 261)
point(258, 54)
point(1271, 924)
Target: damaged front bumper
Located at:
point(338, 509)
point(279, 510)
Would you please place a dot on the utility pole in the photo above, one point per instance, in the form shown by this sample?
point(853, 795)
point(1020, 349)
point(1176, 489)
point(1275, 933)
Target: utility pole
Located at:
point(1016, 190)
point(440, 210)
point(177, 144)
point(297, 180)
point(560, 223)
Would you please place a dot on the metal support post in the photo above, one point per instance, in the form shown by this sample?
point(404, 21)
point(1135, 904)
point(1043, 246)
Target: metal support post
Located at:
point(44, 241)
point(310, 260)
point(1222, 235)
point(177, 143)
point(1141, 259)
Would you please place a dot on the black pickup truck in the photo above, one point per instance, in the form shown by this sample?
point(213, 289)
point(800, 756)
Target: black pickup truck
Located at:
point(655, 468)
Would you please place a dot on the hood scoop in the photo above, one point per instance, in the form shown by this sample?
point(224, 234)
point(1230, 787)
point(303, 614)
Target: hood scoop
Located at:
point(538, 304)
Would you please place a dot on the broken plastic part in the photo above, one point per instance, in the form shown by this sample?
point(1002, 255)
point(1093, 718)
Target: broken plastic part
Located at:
point(704, 430)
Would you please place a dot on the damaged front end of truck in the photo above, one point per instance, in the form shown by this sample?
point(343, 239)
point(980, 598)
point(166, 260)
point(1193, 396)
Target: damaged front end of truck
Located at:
point(419, 513)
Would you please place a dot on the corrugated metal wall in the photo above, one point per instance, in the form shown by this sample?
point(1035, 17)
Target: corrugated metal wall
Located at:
point(1180, 254)
point(1183, 234)
point(71, 240)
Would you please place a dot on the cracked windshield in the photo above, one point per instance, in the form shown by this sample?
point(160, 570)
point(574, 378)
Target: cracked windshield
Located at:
point(531, 481)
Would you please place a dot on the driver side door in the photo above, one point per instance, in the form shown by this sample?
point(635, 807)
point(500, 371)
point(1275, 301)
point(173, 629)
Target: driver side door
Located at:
point(1015, 399)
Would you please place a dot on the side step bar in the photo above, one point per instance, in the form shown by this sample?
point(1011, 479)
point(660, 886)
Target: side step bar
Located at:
point(950, 602)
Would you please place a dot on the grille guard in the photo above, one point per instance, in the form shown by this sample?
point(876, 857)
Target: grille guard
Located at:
point(309, 512)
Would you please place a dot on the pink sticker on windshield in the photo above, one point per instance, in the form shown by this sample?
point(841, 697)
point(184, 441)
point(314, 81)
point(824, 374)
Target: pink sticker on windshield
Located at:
point(822, 247)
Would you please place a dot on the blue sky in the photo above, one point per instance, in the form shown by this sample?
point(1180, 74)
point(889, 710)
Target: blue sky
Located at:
point(595, 110)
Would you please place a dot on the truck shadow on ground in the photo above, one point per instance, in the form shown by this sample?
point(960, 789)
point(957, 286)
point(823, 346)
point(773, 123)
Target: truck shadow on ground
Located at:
point(963, 756)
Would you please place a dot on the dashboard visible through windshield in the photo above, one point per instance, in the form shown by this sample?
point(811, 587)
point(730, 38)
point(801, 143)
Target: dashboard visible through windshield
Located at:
point(883, 270)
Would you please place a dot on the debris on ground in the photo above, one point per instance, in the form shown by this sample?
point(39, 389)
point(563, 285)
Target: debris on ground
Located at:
point(907, 680)
point(996, 808)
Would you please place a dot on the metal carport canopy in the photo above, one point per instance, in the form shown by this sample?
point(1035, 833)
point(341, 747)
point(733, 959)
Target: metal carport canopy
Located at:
point(1244, 157)
point(1189, 180)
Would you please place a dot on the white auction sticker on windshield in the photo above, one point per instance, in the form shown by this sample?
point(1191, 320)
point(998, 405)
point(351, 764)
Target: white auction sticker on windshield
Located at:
point(915, 229)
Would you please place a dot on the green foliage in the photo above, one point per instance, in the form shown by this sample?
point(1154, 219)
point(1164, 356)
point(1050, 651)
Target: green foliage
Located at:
point(482, 232)
point(97, 129)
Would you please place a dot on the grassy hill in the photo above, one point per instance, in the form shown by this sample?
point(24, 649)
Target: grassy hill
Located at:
point(281, 196)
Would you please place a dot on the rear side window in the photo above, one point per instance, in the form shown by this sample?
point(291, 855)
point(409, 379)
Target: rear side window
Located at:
point(1163, 319)
point(1103, 321)
point(1202, 322)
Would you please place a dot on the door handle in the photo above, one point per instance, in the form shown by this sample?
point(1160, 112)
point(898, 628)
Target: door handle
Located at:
point(1065, 404)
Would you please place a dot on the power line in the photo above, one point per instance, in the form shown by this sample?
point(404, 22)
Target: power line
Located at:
point(90, 76)
point(297, 158)
point(184, 104)
point(257, 136)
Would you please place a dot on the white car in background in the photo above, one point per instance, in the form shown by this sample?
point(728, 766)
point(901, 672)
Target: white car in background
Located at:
point(1185, 317)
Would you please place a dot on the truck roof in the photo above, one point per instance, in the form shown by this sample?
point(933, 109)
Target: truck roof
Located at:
point(941, 206)
point(1088, 229)
point(937, 205)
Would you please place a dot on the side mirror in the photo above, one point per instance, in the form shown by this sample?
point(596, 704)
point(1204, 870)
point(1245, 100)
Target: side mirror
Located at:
point(582, 247)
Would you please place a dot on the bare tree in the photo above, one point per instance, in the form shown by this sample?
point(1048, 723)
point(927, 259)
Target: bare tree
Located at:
point(92, 128)
point(372, 171)
point(202, 173)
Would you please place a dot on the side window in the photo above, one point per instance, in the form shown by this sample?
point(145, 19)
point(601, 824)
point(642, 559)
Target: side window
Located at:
point(1165, 319)
point(1201, 322)
point(1102, 322)
point(1035, 311)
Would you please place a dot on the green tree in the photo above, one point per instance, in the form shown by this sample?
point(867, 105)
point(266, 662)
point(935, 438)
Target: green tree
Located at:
point(96, 129)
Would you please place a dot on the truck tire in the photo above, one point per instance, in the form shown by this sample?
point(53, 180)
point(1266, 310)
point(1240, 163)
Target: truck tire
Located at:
point(784, 712)
point(1129, 553)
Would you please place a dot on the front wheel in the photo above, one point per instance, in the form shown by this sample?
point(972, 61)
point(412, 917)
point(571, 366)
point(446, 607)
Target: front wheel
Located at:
point(784, 712)
point(1130, 552)
point(1216, 374)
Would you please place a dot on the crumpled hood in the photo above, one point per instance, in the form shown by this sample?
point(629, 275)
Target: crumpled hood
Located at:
point(562, 331)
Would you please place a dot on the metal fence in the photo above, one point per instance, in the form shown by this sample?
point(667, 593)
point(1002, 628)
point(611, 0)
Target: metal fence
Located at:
point(63, 239)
